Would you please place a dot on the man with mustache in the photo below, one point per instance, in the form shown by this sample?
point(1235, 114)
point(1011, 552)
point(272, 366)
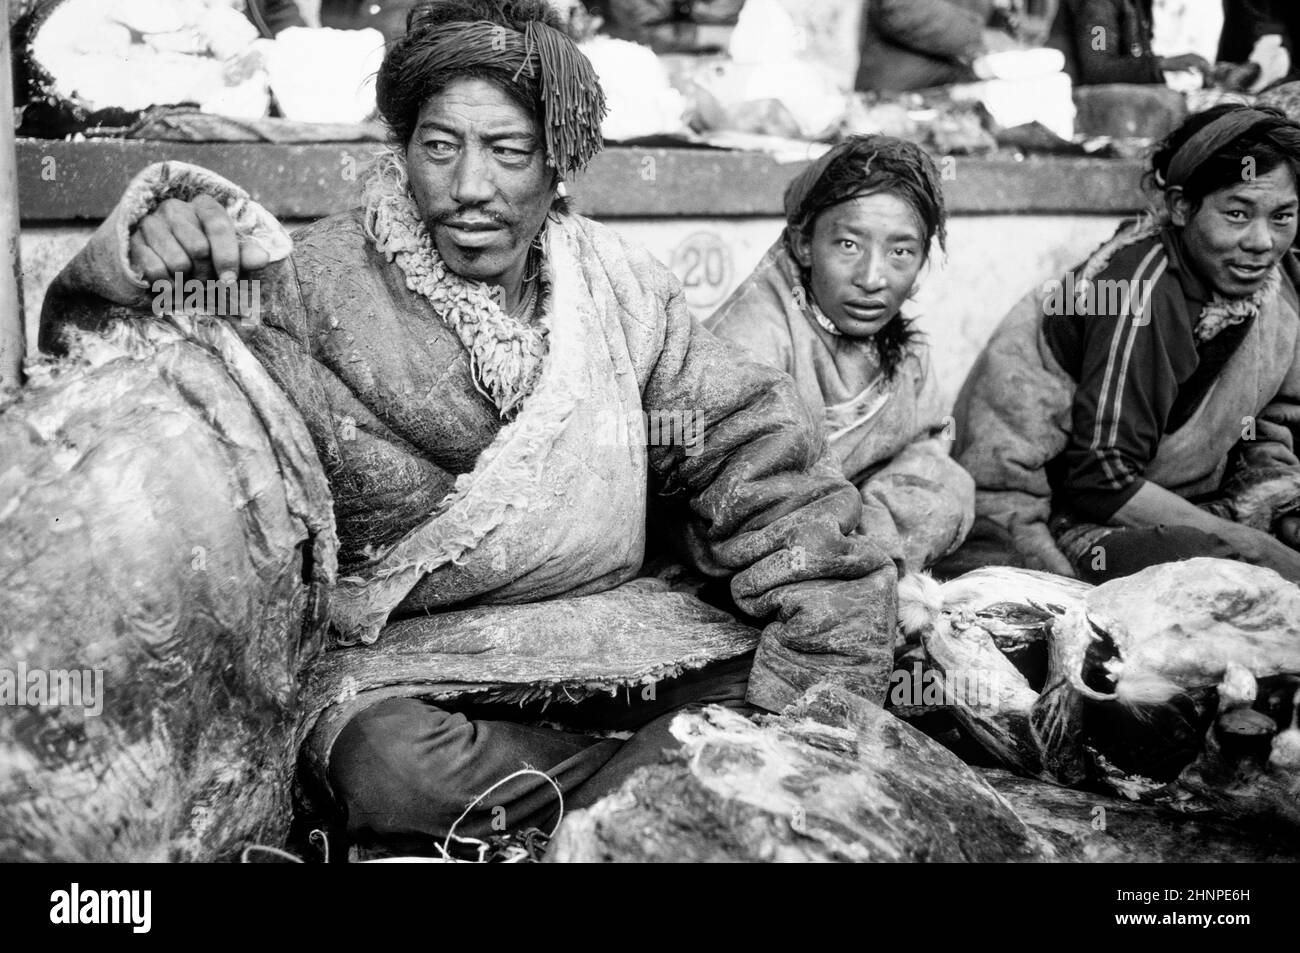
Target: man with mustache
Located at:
point(461, 349)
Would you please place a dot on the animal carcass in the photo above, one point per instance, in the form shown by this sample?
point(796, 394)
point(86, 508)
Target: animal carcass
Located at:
point(1180, 682)
point(166, 545)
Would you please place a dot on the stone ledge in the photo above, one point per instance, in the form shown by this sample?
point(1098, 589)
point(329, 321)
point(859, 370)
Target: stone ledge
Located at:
point(72, 181)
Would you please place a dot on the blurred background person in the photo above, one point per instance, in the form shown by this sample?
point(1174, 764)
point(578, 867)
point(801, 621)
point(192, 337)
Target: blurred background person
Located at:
point(670, 26)
point(1109, 41)
point(272, 16)
point(1263, 32)
point(386, 16)
point(915, 44)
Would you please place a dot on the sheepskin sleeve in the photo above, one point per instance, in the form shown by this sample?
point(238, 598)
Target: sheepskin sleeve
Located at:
point(100, 282)
point(773, 509)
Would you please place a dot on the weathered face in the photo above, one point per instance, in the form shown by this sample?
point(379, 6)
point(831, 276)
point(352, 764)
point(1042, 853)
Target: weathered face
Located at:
point(479, 175)
point(865, 255)
point(1239, 233)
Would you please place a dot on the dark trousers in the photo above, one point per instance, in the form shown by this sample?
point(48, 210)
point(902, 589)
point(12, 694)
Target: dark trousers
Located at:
point(405, 769)
point(1123, 552)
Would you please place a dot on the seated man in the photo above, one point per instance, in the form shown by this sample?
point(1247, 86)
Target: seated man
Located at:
point(477, 366)
point(1142, 409)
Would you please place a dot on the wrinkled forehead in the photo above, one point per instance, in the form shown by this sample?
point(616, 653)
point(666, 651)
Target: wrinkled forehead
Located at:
point(471, 106)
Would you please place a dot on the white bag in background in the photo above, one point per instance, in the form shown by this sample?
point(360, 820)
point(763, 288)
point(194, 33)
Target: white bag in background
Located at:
point(641, 100)
point(1187, 26)
point(325, 75)
point(1046, 98)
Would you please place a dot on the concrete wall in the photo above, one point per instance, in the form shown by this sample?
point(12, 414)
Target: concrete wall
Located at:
point(992, 261)
point(709, 214)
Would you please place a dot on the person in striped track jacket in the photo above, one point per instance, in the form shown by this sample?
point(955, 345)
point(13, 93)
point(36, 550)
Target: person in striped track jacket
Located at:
point(1142, 409)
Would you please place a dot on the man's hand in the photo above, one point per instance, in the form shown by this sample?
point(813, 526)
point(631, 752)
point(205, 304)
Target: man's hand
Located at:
point(1185, 61)
point(196, 239)
point(1273, 59)
point(1261, 549)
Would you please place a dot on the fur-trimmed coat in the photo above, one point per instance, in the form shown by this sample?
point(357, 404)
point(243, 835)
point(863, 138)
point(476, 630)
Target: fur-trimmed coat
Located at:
point(388, 395)
point(890, 438)
point(1014, 414)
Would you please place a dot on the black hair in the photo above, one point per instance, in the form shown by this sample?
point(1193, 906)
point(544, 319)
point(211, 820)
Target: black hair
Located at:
point(412, 72)
point(1262, 148)
point(868, 165)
